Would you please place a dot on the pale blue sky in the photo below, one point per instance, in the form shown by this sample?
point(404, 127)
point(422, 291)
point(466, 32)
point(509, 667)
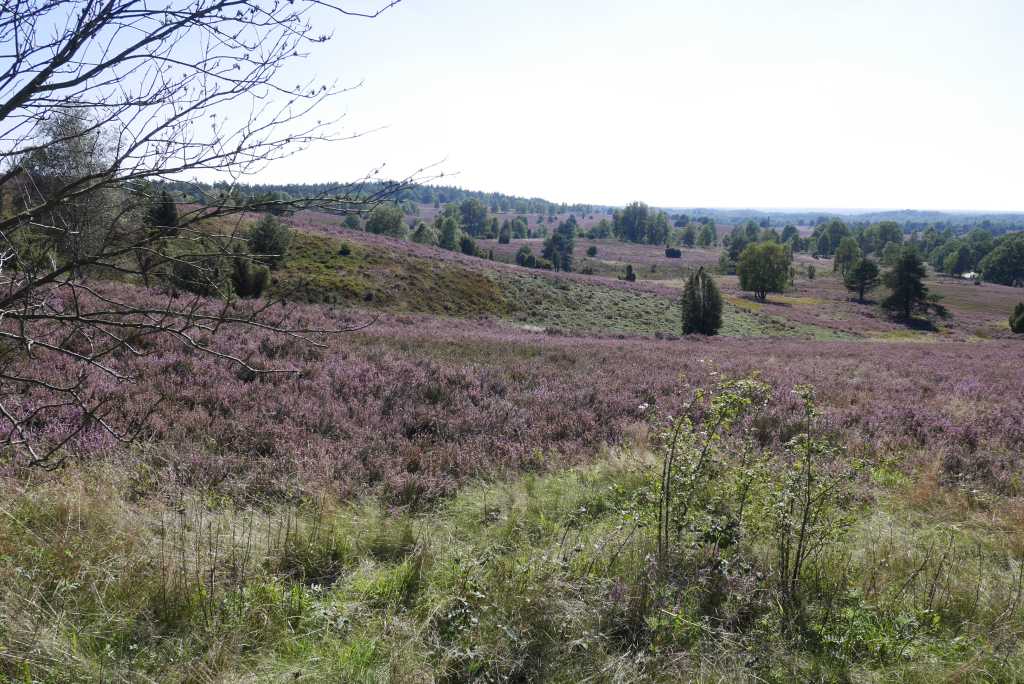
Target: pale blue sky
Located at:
point(734, 103)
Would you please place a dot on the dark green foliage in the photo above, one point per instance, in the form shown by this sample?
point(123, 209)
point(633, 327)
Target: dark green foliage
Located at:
point(706, 237)
point(861, 277)
point(520, 228)
point(1017, 319)
point(473, 214)
point(811, 271)
point(601, 231)
point(558, 248)
point(701, 305)
point(673, 252)
point(908, 293)
point(525, 257)
point(467, 245)
point(205, 276)
point(827, 237)
point(163, 215)
point(630, 273)
point(448, 232)
point(345, 249)
point(958, 261)
point(847, 253)
point(389, 220)
point(764, 267)
point(269, 241)
point(637, 223)
point(424, 234)
point(592, 251)
point(1005, 263)
point(689, 236)
point(248, 278)
point(542, 263)
point(352, 222)
point(505, 234)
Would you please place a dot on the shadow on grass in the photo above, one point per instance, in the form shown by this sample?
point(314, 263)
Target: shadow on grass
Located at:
point(919, 324)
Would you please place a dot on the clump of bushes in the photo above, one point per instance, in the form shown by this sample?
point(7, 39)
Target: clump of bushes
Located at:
point(592, 251)
point(525, 257)
point(673, 252)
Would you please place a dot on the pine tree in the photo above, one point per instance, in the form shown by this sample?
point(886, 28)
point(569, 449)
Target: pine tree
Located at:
point(701, 305)
point(269, 240)
point(163, 215)
point(909, 294)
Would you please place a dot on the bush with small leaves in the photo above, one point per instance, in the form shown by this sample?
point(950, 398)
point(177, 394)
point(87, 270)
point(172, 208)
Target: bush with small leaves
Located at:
point(673, 252)
point(592, 251)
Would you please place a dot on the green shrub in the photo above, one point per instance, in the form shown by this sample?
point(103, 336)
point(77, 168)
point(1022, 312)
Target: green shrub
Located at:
point(1017, 319)
point(701, 305)
point(249, 279)
point(269, 241)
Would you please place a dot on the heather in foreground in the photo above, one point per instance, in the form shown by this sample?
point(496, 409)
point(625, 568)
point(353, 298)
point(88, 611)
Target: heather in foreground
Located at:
point(740, 540)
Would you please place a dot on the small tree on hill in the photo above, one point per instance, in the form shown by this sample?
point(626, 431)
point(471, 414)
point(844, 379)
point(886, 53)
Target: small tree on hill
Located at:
point(847, 253)
point(424, 234)
point(269, 241)
point(467, 246)
point(702, 305)
point(1017, 319)
point(909, 295)
point(861, 277)
point(764, 267)
point(630, 273)
point(389, 220)
point(448, 230)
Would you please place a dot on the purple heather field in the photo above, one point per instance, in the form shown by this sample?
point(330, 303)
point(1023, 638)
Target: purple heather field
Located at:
point(413, 406)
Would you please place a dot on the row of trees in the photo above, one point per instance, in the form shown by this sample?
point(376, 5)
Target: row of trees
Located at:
point(766, 267)
point(997, 259)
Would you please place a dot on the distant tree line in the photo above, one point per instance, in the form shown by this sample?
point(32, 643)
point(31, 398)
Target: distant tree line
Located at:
point(436, 195)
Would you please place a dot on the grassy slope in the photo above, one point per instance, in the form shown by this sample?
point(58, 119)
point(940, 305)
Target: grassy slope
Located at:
point(397, 276)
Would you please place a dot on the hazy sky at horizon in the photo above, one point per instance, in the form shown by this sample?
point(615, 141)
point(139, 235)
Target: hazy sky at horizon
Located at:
point(734, 103)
